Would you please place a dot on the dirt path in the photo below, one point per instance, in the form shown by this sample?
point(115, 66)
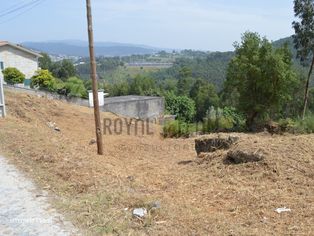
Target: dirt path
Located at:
point(24, 211)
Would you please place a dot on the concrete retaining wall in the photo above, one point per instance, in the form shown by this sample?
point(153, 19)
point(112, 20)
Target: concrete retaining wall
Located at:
point(136, 106)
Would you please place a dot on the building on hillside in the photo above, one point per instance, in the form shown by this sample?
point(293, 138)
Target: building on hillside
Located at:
point(25, 60)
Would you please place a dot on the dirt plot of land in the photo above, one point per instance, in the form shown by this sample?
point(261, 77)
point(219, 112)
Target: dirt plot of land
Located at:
point(206, 196)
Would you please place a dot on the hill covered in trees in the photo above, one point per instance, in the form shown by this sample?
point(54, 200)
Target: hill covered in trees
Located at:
point(80, 48)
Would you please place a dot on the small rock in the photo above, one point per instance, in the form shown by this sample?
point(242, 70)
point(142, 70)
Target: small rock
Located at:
point(57, 129)
point(156, 205)
point(140, 212)
point(93, 141)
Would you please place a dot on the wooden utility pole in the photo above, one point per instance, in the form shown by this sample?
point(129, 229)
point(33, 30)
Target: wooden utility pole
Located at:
point(100, 147)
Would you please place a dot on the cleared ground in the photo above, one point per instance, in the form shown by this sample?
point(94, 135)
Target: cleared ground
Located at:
point(197, 197)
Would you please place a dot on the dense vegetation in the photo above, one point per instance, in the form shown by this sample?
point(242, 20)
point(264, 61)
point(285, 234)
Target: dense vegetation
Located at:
point(245, 90)
point(201, 89)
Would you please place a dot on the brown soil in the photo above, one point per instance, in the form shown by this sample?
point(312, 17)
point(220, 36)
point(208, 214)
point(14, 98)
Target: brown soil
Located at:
point(198, 196)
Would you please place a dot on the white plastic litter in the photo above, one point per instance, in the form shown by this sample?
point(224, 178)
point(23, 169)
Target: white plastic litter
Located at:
point(283, 209)
point(140, 212)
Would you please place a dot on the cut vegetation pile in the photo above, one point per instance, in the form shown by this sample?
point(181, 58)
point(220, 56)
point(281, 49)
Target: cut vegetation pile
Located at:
point(213, 195)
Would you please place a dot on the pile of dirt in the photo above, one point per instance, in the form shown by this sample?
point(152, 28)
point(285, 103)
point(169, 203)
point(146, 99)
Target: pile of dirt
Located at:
point(203, 197)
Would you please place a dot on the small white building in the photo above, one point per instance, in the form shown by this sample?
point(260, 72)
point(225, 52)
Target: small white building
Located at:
point(12, 55)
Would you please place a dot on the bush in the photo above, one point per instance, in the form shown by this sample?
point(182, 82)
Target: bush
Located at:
point(75, 88)
point(305, 126)
point(287, 125)
point(176, 129)
point(43, 79)
point(227, 119)
point(13, 76)
point(181, 106)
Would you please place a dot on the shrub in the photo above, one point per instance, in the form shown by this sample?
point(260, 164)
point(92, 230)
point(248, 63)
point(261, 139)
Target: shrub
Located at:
point(75, 87)
point(176, 129)
point(181, 106)
point(287, 125)
point(227, 119)
point(13, 76)
point(306, 125)
point(43, 79)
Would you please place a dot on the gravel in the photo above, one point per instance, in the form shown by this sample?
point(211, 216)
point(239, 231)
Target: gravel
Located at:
point(24, 211)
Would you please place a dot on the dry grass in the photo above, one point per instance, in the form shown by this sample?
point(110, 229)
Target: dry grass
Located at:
point(198, 197)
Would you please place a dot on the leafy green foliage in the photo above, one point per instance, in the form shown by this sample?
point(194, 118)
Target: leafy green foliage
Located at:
point(105, 67)
point(303, 39)
point(118, 89)
point(45, 62)
point(304, 29)
point(204, 95)
point(305, 125)
point(211, 67)
point(13, 76)
point(43, 79)
point(63, 69)
point(140, 85)
point(181, 106)
point(176, 129)
point(262, 76)
point(227, 119)
point(75, 87)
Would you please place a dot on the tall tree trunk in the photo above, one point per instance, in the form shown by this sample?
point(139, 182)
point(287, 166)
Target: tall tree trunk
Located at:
point(306, 96)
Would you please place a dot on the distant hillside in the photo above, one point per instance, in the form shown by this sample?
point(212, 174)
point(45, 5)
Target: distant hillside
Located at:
point(80, 48)
point(213, 66)
point(289, 41)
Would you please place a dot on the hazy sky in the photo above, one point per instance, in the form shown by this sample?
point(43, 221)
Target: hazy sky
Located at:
point(196, 24)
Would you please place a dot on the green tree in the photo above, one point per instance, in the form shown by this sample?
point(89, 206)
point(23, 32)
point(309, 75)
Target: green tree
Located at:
point(45, 62)
point(262, 76)
point(75, 87)
point(141, 84)
point(181, 106)
point(12, 75)
point(63, 69)
point(303, 38)
point(117, 89)
point(43, 79)
point(185, 81)
point(204, 94)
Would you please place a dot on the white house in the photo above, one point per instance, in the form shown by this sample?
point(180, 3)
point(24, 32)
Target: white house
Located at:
point(25, 60)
